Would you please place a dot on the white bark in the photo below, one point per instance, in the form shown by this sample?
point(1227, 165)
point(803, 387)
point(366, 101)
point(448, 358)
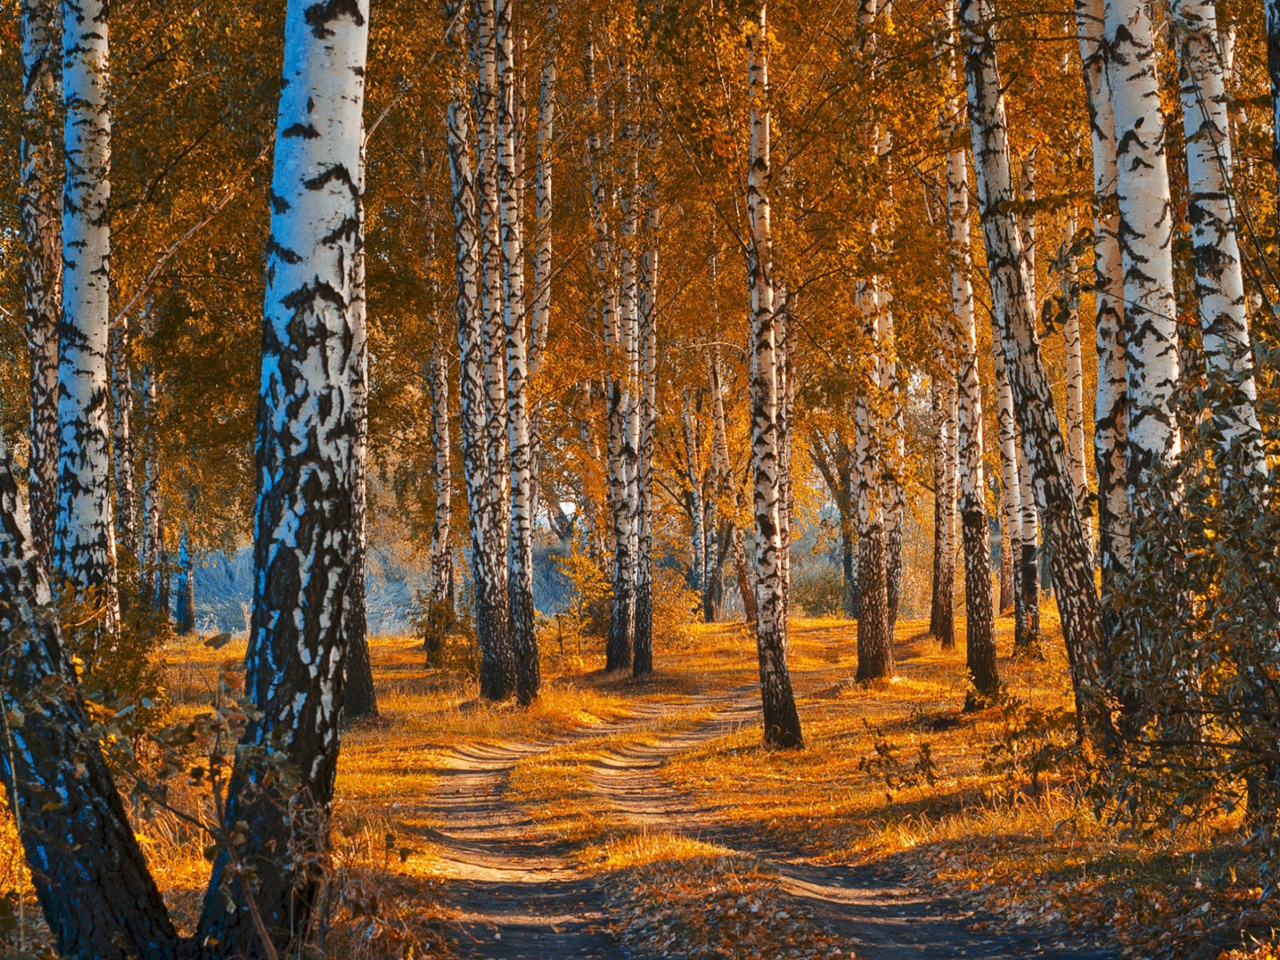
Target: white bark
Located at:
point(307, 475)
point(781, 722)
point(1146, 238)
point(980, 617)
point(524, 637)
point(84, 550)
point(1015, 328)
point(1075, 379)
point(1110, 417)
point(1211, 211)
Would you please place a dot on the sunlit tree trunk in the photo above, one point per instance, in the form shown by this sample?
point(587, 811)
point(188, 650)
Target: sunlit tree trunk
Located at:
point(980, 643)
point(126, 512)
point(498, 668)
point(1146, 238)
point(307, 477)
point(84, 548)
point(524, 639)
point(942, 397)
point(785, 334)
point(1110, 414)
point(1015, 327)
point(1211, 211)
point(88, 869)
point(781, 721)
point(1075, 382)
point(41, 217)
point(489, 608)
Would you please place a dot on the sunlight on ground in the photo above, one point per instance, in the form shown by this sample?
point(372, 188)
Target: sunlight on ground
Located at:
point(894, 775)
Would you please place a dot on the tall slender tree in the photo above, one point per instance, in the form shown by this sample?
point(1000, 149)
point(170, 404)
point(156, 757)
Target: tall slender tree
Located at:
point(1015, 328)
point(1211, 210)
point(781, 721)
point(1110, 415)
point(942, 396)
point(84, 549)
point(524, 638)
point(980, 642)
point(39, 22)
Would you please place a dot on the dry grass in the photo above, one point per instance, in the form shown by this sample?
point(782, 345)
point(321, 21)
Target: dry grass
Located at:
point(859, 793)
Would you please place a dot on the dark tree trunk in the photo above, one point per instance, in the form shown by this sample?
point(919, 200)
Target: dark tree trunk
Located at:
point(89, 872)
point(942, 604)
point(39, 22)
point(186, 618)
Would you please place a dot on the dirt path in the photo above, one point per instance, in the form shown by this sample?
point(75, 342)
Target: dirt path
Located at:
point(521, 897)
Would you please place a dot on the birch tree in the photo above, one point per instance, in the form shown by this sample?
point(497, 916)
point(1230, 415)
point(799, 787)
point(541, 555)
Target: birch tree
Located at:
point(307, 477)
point(1016, 330)
point(122, 449)
point(1146, 236)
point(1210, 209)
point(781, 721)
point(84, 549)
point(524, 639)
point(642, 662)
point(40, 211)
point(980, 642)
point(1110, 413)
point(942, 396)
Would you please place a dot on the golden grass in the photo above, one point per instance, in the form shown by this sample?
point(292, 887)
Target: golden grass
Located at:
point(1031, 855)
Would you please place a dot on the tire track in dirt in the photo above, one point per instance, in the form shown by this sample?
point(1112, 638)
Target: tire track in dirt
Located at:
point(520, 895)
point(517, 891)
point(881, 916)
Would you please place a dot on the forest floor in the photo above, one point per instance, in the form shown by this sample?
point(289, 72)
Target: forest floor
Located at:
point(643, 818)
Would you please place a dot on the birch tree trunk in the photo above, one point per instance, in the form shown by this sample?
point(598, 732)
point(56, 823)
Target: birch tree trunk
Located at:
point(359, 699)
point(781, 721)
point(1146, 237)
point(1110, 414)
point(980, 641)
point(642, 663)
point(307, 477)
point(84, 548)
point(185, 621)
point(875, 638)
point(88, 869)
point(1210, 209)
point(524, 638)
point(498, 657)
point(1011, 487)
point(126, 513)
point(148, 562)
point(39, 22)
point(942, 603)
point(442, 586)
point(1027, 634)
point(697, 505)
point(1016, 331)
point(894, 495)
point(1075, 383)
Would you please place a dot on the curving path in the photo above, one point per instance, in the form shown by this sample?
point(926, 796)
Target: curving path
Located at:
point(520, 895)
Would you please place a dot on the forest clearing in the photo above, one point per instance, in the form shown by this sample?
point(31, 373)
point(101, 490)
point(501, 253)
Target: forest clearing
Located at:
point(639, 478)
